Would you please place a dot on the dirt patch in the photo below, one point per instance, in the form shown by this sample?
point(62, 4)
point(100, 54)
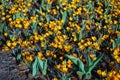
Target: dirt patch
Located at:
point(9, 70)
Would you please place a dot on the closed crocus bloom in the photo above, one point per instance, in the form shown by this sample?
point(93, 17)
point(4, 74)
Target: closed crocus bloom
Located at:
point(40, 55)
point(55, 78)
point(116, 78)
point(94, 38)
point(14, 44)
point(99, 72)
point(103, 74)
point(31, 58)
point(57, 66)
point(93, 56)
point(67, 48)
point(8, 43)
point(118, 59)
point(65, 69)
point(5, 34)
point(87, 27)
point(96, 46)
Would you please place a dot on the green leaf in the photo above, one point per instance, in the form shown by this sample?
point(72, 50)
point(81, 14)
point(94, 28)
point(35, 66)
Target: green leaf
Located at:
point(64, 31)
point(107, 11)
point(89, 61)
point(69, 12)
point(45, 45)
point(118, 38)
point(48, 6)
point(80, 74)
point(90, 68)
point(34, 26)
point(52, 17)
point(91, 16)
point(35, 67)
point(26, 32)
point(64, 77)
point(35, 0)
point(60, 4)
point(73, 50)
point(17, 15)
point(77, 62)
point(19, 56)
point(3, 2)
point(107, 3)
point(67, 79)
point(28, 0)
point(42, 2)
point(76, 18)
point(12, 36)
point(90, 6)
point(1, 27)
point(43, 66)
point(81, 35)
point(47, 18)
point(29, 65)
point(37, 48)
point(113, 45)
point(64, 16)
point(99, 38)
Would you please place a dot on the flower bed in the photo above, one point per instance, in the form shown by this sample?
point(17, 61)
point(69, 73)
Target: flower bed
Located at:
point(63, 39)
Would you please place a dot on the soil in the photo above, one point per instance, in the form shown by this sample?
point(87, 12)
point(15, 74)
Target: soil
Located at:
point(9, 70)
